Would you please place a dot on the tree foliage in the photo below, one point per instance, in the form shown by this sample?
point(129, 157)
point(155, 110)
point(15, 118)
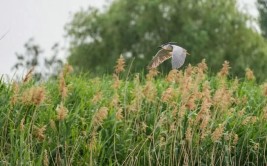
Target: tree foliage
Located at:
point(210, 29)
point(262, 8)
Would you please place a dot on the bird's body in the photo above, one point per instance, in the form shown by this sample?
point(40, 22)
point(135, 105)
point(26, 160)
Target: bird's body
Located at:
point(169, 50)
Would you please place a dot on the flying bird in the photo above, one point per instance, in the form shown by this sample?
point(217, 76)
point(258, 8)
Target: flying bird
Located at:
point(169, 50)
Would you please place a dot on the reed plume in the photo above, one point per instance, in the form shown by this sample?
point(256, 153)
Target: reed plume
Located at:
point(249, 74)
point(120, 65)
point(225, 69)
point(34, 96)
point(62, 112)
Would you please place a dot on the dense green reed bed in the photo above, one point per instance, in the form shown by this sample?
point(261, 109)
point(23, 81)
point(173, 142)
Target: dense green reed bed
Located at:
point(184, 118)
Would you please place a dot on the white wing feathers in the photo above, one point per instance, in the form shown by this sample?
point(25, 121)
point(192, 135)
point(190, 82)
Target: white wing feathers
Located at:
point(178, 57)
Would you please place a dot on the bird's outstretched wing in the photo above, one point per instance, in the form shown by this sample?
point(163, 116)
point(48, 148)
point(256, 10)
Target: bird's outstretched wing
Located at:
point(178, 57)
point(161, 56)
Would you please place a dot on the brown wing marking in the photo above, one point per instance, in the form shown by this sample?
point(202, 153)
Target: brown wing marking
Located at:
point(161, 56)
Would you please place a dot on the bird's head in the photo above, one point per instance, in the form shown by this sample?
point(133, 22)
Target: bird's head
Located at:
point(168, 46)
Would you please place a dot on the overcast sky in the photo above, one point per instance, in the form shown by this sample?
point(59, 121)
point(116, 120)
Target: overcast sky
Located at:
point(43, 20)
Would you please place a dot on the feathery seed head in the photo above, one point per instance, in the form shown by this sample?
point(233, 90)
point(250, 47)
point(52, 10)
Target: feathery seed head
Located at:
point(134, 106)
point(172, 76)
point(256, 146)
point(152, 73)
point(92, 143)
point(203, 125)
point(206, 92)
point(167, 95)
point(191, 105)
point(120, 65)
point(150, 91)
point(67, 69)
point(182, 111)
point(53, 125)
point(15, 90)
point(99, 116)
point(189, 71)
point(202, 67)
point(172, 127)
point(115, 100)
point(63, 89)
point(97, 97)
point(222, 98)
point(21, 126)
point(225, 69)
point(174, 112)
point(235, 139)
point(264, 88)
point(39, 132)
point(62, 112)
point(45, 158)
point(249, 74)
point(188, 134)
point(15, 87)
point(119, 115)
point(143, 126)
point(34, 95)
point(117, 82)
point(235, 84)
point(249, 120)
point(218, 132)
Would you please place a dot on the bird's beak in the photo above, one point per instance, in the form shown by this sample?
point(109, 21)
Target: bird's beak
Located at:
point(187, 53)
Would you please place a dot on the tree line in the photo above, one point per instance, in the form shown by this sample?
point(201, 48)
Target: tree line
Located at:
point(214, 30)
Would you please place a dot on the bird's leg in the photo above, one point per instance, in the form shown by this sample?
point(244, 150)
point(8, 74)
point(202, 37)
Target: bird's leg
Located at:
point(186, 52)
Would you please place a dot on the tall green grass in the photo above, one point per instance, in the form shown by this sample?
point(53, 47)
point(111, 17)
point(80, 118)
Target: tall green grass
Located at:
point(185, 118)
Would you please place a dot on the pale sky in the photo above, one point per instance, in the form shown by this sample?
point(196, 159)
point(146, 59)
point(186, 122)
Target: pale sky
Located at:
point(43, 20)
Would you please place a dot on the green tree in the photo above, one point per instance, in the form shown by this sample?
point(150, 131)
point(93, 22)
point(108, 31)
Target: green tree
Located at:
point(262, 8)
point(45, 67)
point(211, 29)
